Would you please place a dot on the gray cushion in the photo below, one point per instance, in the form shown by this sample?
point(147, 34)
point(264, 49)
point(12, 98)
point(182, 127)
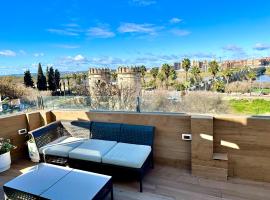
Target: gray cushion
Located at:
point(92, 150)
point(127, 155)
point(61, 147)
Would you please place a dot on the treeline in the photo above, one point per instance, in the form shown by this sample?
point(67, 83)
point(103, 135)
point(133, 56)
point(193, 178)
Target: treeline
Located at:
point(50, 81)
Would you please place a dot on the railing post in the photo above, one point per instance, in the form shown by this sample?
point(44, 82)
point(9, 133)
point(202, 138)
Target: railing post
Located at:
point(138, 105)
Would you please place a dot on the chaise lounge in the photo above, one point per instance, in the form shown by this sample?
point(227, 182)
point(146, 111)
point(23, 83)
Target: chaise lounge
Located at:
point(120, 150)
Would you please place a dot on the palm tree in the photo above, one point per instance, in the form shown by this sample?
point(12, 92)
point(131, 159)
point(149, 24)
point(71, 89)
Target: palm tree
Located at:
point(84, 76)
point(154, 72)
point(166, 70)
point(251, 75)
point(186, 66)
point(227, 73)
point(195, 71)
point(213, 68)
point(143, 70)
point(161, 77)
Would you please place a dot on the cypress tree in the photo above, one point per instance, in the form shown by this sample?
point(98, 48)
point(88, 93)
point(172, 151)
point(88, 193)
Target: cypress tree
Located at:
point(57, 78)
point(51, 79)
point(28, 81)
point(41, 79)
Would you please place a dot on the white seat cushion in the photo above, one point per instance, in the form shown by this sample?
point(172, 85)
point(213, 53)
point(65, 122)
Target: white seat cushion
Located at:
point(127, 155)
point(92, 150)
point(61, 147)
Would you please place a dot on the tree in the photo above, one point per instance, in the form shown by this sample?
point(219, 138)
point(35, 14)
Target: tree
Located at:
point(28, 81)
point(186, 66)
point(161, 77)
point(51, 79)
point(154, 72)
point(143, 70)
point(195, 71)
point(251, 75)
point(114, 76)
point(84, 77)
point(227, 73)
point(68, 83)
point(41, 79)
point(219, 86)
point(213, 68)
point(57, 78)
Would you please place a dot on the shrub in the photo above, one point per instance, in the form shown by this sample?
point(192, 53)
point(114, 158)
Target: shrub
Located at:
point(5, 146)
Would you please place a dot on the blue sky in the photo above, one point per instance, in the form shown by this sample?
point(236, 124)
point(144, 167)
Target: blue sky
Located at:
point(73, 35)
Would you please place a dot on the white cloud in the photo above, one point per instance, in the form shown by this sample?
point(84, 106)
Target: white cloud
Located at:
point(180, 32)
point(144, 2)
point(235, 51)
point(67, 31)
point(138, 28)
point(232, 48)
point(22, 52)
point(79, 57)
point(8, 53)
point(67, 46)
point(175, 20)
point(261, 47)
point(100, 32)
point(38, 54)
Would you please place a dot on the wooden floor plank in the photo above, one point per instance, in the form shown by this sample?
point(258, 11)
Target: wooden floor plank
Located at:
point(168, 183)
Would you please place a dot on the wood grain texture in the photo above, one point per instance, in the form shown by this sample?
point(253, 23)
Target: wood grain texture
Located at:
point(247, 144)
point(9, 129)
point(34, 120)
point(168, 183)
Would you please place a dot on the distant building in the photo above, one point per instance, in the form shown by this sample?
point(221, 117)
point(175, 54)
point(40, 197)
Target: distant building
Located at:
point(129, 78)
point(177, 65)
point(98, 76)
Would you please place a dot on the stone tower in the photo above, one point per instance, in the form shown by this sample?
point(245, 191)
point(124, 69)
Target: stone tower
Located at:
point(129, 77)
point(101, 76)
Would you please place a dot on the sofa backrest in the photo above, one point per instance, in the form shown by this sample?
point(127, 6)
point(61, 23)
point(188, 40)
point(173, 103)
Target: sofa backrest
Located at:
point(126, 133)
point(137, 134)
point(105, 131)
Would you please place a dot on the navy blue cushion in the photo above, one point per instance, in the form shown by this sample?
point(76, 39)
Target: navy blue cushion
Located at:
point(137, 134)
point(105, 131)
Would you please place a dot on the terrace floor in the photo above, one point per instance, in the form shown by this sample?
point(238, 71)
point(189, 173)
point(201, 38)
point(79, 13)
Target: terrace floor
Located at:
point(169, 183)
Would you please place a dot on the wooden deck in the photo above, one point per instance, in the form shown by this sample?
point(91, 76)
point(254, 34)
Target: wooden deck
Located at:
point(168, 183)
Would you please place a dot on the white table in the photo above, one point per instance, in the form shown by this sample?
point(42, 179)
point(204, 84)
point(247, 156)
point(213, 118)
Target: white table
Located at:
point(46, 181)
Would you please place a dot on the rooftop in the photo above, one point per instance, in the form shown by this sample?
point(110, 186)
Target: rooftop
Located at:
point(226, 158)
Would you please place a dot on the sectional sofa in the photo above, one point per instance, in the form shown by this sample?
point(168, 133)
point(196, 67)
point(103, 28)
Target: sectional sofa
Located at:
point(120, 150)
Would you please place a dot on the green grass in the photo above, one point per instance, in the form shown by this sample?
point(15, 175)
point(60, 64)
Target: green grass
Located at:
point(253, 107)
point(265, 90)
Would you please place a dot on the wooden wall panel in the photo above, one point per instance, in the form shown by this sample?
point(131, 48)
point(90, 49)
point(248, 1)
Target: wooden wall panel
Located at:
point(247, 142)
point(169, 148)
point(34, 120)
point(9, 129)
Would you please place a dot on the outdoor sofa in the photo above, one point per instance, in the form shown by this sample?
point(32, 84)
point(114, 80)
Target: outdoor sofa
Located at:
point(120, 150)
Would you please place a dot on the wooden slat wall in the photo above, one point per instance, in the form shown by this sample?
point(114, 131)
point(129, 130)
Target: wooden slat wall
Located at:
point(9, 127)
point(169, 148)
point(34, 120)
point(252, 136)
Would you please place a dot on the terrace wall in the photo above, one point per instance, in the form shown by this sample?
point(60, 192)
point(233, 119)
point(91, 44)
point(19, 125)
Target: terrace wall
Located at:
point(245, 139)
point(10, 125)
point(247, 142)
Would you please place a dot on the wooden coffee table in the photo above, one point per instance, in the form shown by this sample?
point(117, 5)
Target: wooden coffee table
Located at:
point(46, 181)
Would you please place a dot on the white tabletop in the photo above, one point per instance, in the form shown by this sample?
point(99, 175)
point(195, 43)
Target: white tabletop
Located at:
point(38, 179)
point(77, 184)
